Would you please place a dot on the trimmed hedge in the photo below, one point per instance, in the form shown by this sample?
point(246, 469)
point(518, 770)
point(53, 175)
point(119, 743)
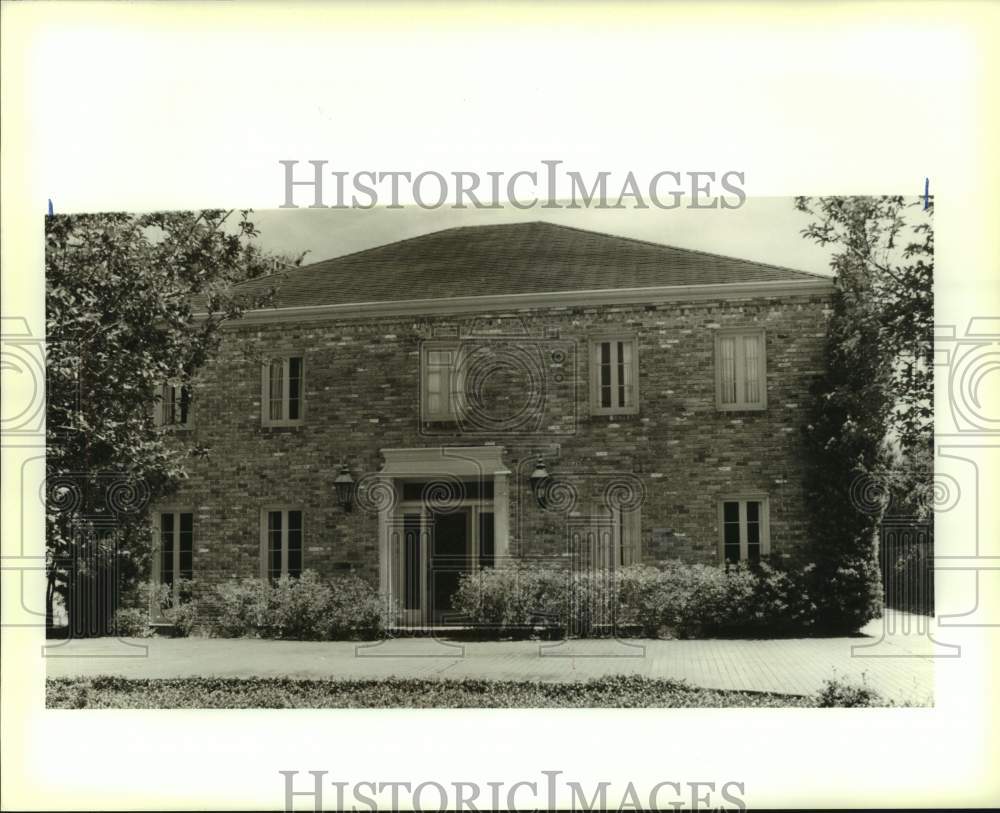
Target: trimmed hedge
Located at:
point(673, 600)
point(301, 609)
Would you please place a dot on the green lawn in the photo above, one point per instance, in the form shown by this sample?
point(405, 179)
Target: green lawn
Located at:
point(282, 693)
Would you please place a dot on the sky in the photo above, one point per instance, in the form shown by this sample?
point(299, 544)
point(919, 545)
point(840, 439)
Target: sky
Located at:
point(763, 229)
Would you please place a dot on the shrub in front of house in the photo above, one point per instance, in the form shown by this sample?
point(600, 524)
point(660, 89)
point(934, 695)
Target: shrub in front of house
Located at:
point(306, 608)
point(177, 608)
point(131, 619)
point(298, 609)
point(782, 600)
point(591, 602)
point(240, 608)
point(508, 600)
point(671, 600)
point(132, 622)
point(696, 600)
point(185, 619)
point(356, 611)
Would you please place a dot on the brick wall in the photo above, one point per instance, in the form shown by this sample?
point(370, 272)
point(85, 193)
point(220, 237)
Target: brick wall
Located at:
point(361, 395)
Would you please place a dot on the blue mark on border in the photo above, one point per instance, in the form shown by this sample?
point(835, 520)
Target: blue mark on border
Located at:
point(50, 207)
point(927, 192)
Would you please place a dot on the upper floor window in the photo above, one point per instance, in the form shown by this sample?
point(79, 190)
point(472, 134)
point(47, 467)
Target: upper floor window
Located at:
point(173, 406)
point(740, 370)
point(614, 375)
point(745, 533)
point(281, 543)
point(440, 381)
point(282, 395)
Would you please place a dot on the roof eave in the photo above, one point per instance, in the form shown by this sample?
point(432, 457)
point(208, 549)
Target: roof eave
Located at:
point(551, 299)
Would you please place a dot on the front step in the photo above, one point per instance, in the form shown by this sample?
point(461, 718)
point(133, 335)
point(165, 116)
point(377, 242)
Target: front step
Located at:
point(440, 630)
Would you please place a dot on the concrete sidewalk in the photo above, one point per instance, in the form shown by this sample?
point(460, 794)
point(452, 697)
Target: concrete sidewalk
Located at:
point(894, 656)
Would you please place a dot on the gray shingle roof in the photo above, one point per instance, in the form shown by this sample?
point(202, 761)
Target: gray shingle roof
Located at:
point(519, 258)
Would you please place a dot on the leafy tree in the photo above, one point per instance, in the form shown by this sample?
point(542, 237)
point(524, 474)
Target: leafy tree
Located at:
point(870, 428)
point(123, 297)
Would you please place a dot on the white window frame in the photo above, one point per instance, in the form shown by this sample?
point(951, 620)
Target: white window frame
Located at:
point(741, 404)
point(765, 523)
point(451, 382)
point(631, 406)
point(265, 390)
point(160, 401)
point(265, 561)
point(156, 574)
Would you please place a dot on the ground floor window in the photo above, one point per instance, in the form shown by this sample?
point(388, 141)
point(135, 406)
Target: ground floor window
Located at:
point(281, 543)
point(174, 561)
point(744, 526)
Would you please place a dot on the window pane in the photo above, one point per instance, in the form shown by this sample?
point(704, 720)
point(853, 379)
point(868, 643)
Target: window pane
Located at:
point(464, 489)
point(727, 366)
point(752, 382)
point(167, 403)
point(295, 543)
point(294, 387)
point(184, 405)
point(186, 553)
point(731, 533)
point(167, 549)
point(731, 512)
point(274, 544)
point(605, 375)
point(277, 373)
point(753, 530)
point(731, 530)
point(439, 384)
point(630, 371)
point(621, 374)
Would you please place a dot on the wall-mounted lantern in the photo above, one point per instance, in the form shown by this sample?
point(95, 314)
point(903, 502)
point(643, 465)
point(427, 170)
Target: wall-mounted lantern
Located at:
point(539, 480)
point(345, 488)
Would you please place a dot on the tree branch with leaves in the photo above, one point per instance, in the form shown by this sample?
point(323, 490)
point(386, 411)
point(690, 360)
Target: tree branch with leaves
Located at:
point(870, 430)
point(132, 301)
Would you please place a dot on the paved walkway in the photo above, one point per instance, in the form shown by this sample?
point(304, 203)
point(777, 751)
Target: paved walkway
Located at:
point(893, 656)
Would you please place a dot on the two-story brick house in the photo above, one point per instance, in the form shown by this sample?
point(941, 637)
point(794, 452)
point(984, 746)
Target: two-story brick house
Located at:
point(479, 395)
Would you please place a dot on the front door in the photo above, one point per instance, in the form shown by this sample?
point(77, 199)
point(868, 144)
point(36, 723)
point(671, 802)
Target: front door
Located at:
point(450, 538)
point(432, 551)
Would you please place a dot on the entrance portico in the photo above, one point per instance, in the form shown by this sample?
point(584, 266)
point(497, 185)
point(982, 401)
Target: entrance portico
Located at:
point(450, 515)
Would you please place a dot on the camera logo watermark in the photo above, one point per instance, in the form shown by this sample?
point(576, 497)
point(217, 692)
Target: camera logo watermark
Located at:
point(495, 378)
